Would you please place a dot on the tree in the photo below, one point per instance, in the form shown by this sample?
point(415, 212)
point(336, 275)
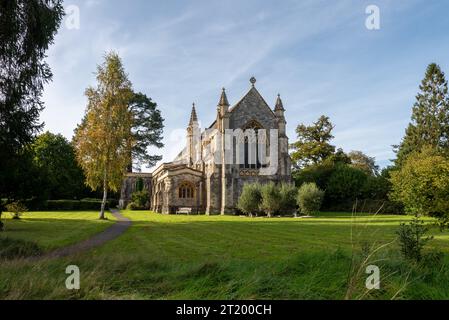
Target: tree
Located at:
point(250, 199)
point(24, 179)
point(288, 193)
point(361, 161)
point(313, 144)
point(16, 209)
point(55, 159)
point(339, 157)
point(147, 130)
point(376, 187)
point(104, 140)
point(27, 28)
point(345, 184)
point(310, 198)
point(412, 238)
point(422, 183)
point(317, 173)
point(430, 117)
point(271, 199)
point(140, 184)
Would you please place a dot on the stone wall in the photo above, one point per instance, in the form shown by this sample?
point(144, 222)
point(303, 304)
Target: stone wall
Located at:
point(213, 193)
point(129, 186)
point(175, 202)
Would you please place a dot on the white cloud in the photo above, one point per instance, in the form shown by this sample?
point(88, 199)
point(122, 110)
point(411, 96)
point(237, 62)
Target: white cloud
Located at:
point(315, 53)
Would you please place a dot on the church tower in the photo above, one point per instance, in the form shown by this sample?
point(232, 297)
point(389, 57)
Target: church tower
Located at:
point(193, 136)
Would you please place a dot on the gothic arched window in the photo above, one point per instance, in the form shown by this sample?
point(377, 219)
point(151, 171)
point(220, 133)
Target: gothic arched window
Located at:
point(253, 124)
point(251, 145)
point(186, 191)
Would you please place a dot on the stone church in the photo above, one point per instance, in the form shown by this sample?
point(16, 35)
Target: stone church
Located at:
point(246, 143)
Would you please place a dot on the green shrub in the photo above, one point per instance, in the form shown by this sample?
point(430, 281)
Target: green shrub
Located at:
point(13, 249)
point(310, 198)
point(140, 200)
point(288, 194)
point(346, 183)
point(35, 204)
point(422, 184)
point(62, 205)
point(250, 199)
point(376, 188)
point(132, 206)
point(271, 199)
point(317, 173)
point(412, 239)
point(69, 205)
point(111, 203)
point(16, 209)
point(74, 205)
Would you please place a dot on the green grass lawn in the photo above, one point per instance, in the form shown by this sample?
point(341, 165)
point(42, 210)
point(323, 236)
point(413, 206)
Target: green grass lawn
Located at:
point(55, 229)
point(201, 257)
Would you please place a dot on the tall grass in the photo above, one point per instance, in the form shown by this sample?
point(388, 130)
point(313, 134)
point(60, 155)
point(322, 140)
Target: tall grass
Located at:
point(321, 275)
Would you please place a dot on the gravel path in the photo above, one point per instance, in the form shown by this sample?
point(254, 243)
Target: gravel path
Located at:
point(97, 240)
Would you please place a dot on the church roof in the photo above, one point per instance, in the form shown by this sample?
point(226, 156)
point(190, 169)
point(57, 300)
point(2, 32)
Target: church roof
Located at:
point(252, 94)
point(173, 167)
point(213, 124)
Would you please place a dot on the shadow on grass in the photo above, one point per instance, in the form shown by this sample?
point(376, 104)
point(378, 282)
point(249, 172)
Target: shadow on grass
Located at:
point(274, 221)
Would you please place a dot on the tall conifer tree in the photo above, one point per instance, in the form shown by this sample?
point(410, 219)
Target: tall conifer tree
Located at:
point(430, 117)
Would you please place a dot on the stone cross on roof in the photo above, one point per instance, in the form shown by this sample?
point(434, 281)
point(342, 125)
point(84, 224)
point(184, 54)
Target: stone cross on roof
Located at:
point(253, 81)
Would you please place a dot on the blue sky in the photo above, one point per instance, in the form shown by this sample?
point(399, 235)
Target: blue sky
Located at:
point(317, 54)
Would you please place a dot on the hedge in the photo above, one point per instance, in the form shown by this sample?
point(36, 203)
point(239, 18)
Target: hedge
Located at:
point(69, 205)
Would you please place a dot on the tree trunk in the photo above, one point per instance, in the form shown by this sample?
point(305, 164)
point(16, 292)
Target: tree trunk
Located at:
point(105, 198)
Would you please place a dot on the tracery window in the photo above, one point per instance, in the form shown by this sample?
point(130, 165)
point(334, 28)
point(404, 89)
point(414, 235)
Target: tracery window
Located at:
point(252, 143)
point(186, 191)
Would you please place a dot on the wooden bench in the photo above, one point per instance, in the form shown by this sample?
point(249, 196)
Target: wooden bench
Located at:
point(184, 211)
